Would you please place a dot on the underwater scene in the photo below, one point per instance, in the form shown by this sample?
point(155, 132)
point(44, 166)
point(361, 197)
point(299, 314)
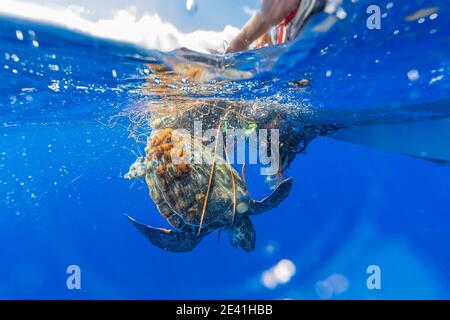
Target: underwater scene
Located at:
point(118, 179)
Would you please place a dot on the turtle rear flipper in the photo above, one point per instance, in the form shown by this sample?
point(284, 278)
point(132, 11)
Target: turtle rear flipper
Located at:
point(170, 240)
point(273, 200)
point(243, 235)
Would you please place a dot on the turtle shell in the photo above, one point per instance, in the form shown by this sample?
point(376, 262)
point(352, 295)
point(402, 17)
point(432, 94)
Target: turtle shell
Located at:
point(178, 185)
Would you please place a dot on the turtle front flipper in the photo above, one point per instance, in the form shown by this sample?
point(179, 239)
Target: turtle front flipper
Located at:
point(273, 200)
point(170, 240)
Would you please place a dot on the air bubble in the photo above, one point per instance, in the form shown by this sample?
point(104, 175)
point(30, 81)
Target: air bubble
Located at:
point(19, 35)
point(413, 75)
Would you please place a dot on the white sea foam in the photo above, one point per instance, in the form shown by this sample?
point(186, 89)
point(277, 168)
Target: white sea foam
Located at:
point(148, 31)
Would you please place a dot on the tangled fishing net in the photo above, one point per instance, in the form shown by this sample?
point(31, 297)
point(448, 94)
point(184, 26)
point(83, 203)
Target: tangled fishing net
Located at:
point(179, 101)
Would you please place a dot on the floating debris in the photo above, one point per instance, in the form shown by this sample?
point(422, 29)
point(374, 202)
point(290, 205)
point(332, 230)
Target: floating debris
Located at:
point(422, 13)
point(299, 83)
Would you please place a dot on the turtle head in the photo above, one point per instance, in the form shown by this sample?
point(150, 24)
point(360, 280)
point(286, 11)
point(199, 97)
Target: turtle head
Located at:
point(137, 169)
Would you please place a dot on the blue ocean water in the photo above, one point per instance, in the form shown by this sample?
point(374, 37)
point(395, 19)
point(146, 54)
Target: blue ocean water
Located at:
point(63, 155)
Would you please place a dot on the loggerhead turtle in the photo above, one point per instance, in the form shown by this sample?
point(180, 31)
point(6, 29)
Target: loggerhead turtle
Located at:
point(196, 199)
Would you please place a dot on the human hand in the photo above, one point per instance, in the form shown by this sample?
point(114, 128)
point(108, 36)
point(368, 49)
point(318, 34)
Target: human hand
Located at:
point(237, 45)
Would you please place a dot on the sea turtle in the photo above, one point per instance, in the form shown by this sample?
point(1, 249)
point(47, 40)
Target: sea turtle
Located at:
point(197, 198)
